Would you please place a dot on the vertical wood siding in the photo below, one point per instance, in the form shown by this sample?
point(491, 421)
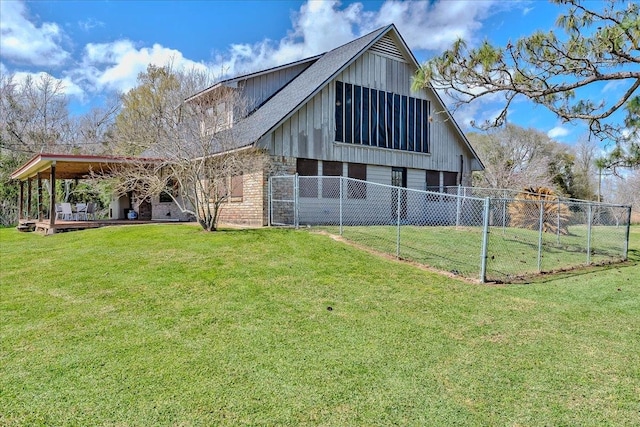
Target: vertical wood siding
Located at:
point(258, 89)
point(310, 132)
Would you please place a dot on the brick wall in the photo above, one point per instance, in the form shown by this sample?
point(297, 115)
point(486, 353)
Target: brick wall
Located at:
point(253, 210)
point(249, 211)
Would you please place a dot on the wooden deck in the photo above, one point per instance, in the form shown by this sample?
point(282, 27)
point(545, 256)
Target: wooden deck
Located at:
point(62, 225)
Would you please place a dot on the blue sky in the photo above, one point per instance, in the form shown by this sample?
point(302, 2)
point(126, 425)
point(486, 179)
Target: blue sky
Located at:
point(99, 47)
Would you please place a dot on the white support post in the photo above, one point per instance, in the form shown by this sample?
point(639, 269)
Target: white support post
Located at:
point(341, 184)
point(458, 207)
point(626, 241)
point(485, 240)
point(398, 221)
point(270, 195)
point(589, 220)
point(296, 201)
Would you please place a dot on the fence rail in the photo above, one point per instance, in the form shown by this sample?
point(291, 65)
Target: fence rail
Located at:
point(495, 237)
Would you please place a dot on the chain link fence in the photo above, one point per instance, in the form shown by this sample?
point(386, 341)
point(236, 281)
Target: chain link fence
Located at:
point(497, 237)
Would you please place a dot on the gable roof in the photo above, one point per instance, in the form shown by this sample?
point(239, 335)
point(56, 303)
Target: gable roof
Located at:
point(291, 97)
point(284, 103)
point(233, 82)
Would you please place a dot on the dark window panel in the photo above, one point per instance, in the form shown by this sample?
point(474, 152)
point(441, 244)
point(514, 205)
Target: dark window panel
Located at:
point(389, 107)
point(411, 131)
point(366, 111)
point(307, 167)
point(433, 180)
point(403, 123)
point(425, 126)
point(357, 114)
point(339, 112)
point(419, 119)
point(374, 117)
point(450, 179)
point(348, 113)
point(396, 121)
point(331, 186)
point(382, 119)
point(357, 190)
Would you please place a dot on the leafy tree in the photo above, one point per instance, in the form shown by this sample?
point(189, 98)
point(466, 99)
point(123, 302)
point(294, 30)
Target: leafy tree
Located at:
point(148, 110)
point(597, 42)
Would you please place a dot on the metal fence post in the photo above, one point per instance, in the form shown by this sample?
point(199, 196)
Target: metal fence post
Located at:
point(589, 220)
point(296, 200)
point(458, 202)
point(485, 241)
point(398, 220)
point(558, 223)
point(341, 184)
point(270, 195)
point(504, 215)
point(541, 222)
point(626, 241)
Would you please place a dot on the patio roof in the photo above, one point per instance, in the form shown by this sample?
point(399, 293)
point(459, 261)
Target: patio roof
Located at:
point(70, 166)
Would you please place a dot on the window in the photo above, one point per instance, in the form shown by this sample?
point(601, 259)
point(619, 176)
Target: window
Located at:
point(339, 110)
point(449, 179)
point(357, 190)
point(331, 186)
point(171, 190)
point(433, 181)
point(381, 119)
point(237, 188)
point(308, 187)
point(217, 118)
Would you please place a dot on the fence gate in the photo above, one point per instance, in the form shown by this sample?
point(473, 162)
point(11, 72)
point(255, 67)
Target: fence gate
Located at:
point(283, 200)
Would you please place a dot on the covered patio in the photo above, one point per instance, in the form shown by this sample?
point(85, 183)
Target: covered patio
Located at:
point(53, 167)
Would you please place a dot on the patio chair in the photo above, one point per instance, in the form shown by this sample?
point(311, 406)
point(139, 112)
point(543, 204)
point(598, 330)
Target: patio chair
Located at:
point(81, 211)
point(58, 210)
point(67, 212)
point(91, 210)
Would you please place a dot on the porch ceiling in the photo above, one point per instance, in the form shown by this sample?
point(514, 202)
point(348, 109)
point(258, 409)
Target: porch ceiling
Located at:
point(69, 166)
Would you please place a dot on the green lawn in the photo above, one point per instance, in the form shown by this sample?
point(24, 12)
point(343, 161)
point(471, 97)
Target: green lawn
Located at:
point(166, 325)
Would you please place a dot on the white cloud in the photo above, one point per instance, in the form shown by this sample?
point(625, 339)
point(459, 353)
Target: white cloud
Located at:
point(316, 28)
point(115, 66)
point(68, 87)
point(433, 26)
point(89, 24)
point(322, 26)
point(24, 42)
point(558, 132)
point(526, 11)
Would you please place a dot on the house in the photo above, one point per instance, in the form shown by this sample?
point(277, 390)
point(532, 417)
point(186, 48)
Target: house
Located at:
point(351, 112)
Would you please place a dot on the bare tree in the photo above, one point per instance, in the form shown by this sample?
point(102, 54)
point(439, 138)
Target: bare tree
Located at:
point(192, 155)
point(94, 130)
point(514, 157)
point(34, 115)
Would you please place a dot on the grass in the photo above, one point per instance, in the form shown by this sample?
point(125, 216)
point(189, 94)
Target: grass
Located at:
point(512, 253)
point(167, 325)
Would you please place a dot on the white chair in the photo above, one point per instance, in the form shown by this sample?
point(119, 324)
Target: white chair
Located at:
point(67, 212)
point(58, 210)
point(81, 211)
